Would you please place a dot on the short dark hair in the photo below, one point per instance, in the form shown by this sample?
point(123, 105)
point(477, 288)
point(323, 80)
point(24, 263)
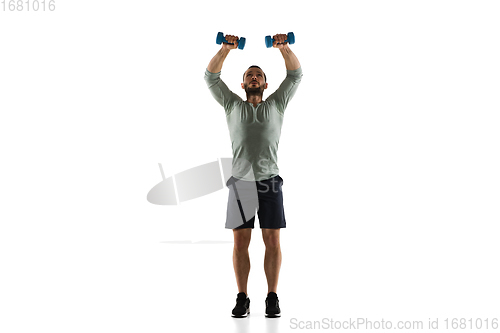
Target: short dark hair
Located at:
point(255, 66)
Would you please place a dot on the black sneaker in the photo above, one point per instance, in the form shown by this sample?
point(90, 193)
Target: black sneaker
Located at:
point(242, 308)
point(272, 305)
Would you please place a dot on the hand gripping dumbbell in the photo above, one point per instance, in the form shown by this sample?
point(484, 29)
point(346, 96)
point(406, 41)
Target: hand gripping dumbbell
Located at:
point(221, 39)
point(290, 39)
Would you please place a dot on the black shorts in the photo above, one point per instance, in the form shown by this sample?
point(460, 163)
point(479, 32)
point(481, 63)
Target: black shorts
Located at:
point(246, 197)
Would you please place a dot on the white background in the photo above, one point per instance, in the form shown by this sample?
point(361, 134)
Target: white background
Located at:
point(389, 155)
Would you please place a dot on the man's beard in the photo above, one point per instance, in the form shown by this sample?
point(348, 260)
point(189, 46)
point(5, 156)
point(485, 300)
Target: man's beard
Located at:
point(259, 91)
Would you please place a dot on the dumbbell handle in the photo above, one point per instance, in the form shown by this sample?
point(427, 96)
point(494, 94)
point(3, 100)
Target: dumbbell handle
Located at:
point(225, 41)
point(222, 39)
point(272, 40)
point(290, 39)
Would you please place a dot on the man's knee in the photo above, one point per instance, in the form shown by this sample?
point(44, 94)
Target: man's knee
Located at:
point(242, 239)
point(271, 238)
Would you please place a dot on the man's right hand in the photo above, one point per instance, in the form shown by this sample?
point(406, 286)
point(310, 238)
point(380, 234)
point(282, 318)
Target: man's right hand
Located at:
point(230, 39)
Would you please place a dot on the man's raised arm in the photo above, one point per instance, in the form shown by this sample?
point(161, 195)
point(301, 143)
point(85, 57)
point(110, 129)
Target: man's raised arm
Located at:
point(218, 88)
point(288, 87)
point(291, 61)
point(215, 65)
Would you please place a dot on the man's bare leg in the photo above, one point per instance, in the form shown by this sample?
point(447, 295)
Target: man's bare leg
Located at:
point(241, 258)
point(272, 258)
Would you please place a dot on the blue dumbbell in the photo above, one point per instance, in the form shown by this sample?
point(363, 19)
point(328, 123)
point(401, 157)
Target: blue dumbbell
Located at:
point(221, 39)
point(290, 39)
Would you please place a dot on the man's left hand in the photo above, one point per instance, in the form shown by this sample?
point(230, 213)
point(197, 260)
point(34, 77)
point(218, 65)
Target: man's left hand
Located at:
point(279, 41)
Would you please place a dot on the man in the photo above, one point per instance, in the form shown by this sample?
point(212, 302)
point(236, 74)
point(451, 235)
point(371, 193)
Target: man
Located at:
point(255, 128)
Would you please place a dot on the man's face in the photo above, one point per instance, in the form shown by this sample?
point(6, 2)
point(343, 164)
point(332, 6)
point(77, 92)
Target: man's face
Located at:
point(254, 82)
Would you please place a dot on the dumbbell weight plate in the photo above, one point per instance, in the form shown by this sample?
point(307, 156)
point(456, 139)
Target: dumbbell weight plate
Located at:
point(241, 43)
point(220, 38)
point(269, 41)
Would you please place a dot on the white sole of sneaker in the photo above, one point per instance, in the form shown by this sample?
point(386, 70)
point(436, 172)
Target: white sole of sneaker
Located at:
point(273, 316)
point(242, 316)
